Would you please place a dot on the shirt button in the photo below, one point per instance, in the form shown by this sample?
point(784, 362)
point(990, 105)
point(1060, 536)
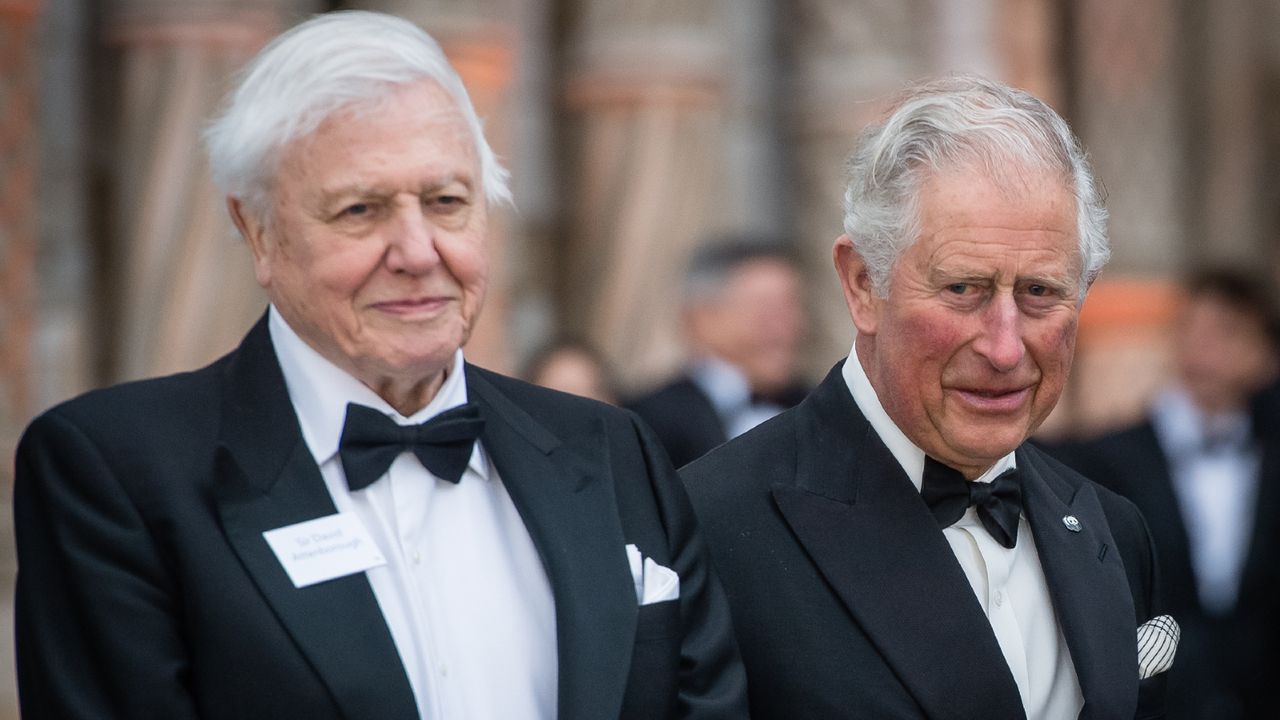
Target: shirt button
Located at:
point(416, 557)
point(999, 598)
point(444, 671)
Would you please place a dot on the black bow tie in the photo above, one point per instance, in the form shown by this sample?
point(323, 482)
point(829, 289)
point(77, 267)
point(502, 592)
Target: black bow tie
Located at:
point(371, 441)
point(998, 502)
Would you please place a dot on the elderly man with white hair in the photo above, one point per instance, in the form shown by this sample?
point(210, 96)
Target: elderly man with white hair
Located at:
point(892, 547)
point(342, 518)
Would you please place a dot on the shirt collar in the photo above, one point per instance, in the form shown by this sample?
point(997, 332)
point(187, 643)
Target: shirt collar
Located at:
point(1183, 428)
point(320, 391)
point(907, 453)
point(723, 383)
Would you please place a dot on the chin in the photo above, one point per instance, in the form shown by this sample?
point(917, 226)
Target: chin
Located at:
point(416, 363)
point(990, 446)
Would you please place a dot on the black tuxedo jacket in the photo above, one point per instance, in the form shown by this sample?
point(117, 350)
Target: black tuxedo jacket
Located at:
point(685, 420)
point(1222, 667)
point(146, 590)
point(849, 603)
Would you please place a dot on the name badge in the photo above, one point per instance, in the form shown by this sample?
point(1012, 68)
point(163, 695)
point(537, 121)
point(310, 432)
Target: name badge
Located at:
point(323, 549)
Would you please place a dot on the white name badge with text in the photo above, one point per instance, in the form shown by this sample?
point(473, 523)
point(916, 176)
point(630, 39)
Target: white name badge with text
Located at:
point(325, 548)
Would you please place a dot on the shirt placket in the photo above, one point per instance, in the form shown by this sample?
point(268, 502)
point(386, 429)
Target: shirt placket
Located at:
point(409, 503)
point(1004, 622)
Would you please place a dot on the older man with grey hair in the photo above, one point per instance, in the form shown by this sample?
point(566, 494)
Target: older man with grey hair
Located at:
point(892, 547)
point(343, 518)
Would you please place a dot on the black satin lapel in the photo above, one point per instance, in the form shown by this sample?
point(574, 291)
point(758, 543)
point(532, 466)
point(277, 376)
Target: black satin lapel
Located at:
point(336, 624)
point(268, 479)
point(1087, 581)
point(866, 528)
point(562, 490)
point(259, 424)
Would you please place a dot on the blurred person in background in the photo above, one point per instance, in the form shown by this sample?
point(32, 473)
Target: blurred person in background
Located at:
point(573, 366)
point(892, 547)
point(744, 320)
point(343, 518)
point(1203, 468)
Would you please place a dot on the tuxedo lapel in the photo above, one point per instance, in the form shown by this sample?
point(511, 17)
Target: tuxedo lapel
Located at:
point(870, 534)
point(267, 479)
point(1086, 579)
point(561, 488)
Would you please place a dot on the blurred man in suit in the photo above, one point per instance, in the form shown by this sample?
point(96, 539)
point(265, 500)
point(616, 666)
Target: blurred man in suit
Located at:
point(892, 547)
point(1204, 471)
point(744, 320)
point(343, 518)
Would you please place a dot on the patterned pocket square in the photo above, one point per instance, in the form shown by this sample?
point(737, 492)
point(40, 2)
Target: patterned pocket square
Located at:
point(1157, 644)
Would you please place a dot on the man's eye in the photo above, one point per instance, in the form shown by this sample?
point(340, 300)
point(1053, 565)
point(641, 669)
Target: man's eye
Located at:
point(958, 288)
point(356, 210)
point(447, 201)
point(1044, 291)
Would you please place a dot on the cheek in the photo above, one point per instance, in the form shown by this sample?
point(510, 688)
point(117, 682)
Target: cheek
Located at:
point(925, 347)
point(1055, 346)
point(469, 265)
point(344, 272)
point(930, 342)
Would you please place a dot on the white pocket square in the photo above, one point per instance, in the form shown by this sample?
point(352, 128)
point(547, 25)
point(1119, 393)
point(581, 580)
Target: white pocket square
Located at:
point(654, 583)
point(1157, 644)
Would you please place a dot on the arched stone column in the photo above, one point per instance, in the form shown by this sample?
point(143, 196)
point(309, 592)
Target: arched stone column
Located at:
point(642, 137)
point(1228, 183)
point(18, 220)
point(1126, 103)
point(181, 283)
point(18, 233)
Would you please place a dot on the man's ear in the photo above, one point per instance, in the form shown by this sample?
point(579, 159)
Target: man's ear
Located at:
point(254, 232)
point(859, 294)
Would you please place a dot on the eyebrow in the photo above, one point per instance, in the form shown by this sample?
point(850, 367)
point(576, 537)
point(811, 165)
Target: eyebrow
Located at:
point(358, 189)
point(950, 275)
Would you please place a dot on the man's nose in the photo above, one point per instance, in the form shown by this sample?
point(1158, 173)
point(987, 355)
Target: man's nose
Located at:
point(1000, 338)
point(412, 242)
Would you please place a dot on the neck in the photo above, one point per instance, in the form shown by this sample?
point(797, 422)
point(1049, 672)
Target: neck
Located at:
point(409, 396)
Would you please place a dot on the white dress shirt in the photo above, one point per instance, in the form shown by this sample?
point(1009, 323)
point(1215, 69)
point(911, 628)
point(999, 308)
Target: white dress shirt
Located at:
point(463, 592)
point(1216, 484)
point(1008, 582)
point(730, 395)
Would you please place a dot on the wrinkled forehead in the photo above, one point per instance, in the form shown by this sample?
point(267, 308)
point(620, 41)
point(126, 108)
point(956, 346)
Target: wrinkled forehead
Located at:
point(980, 212)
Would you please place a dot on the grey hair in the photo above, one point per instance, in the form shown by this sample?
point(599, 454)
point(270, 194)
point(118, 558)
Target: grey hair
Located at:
point(711, 266)
point(319, 67)
point(961, 121)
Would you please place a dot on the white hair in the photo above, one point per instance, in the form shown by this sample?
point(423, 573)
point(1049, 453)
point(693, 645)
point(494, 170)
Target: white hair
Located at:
point(327, 64)
point(961, 122)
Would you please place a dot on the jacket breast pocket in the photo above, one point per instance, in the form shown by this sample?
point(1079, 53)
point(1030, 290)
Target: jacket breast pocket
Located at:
point(655, 663)
point(658, 620)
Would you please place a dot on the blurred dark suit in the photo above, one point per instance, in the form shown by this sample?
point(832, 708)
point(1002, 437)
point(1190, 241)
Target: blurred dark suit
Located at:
point(686, 421)
point(1220, 670)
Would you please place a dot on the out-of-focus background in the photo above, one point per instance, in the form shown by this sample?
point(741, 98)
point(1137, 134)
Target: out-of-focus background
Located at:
point(635, 130)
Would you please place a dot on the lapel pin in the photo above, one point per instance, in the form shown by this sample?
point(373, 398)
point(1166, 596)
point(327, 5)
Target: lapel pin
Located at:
point(1071, 522)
